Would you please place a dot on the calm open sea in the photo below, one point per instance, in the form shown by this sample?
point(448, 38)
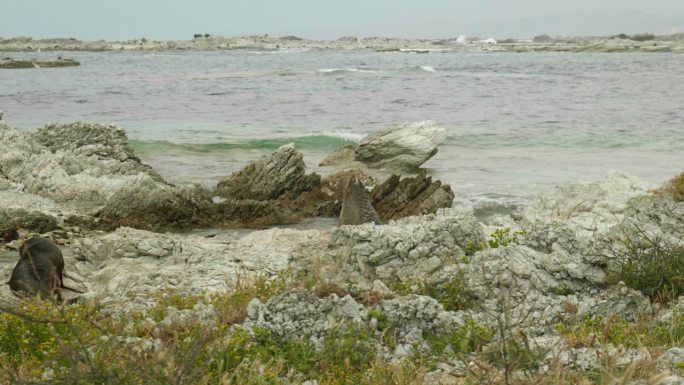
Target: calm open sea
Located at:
point(518, 123)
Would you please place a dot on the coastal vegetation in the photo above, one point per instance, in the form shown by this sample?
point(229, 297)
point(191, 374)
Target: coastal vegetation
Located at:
point(675, 186)
point(86, 344)
point(583, 285)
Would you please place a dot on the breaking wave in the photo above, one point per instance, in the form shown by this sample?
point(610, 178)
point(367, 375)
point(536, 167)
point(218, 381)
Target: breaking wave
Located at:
point(327, 141)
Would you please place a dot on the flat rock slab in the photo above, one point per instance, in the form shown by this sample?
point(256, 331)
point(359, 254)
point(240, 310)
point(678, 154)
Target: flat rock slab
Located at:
point(18, 64)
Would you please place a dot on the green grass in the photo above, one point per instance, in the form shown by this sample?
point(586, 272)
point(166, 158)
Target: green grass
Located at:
point(645, 332)
point(453, 294)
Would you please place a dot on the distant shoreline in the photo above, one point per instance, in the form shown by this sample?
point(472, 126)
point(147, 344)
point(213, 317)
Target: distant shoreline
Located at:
point(542, 43)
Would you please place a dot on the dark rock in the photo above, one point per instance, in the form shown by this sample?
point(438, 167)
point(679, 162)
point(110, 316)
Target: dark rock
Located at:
point(149, 205)
point(253, 213)
point(397, 198)
point(272, 190)
point(36, 221)
point(542, 39)
point(269, 177)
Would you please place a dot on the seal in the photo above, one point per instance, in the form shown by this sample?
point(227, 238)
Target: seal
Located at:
point(357, 207)
point(39, 270)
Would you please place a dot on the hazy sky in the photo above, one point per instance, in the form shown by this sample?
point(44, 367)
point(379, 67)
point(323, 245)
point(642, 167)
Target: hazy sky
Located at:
point(173, 19)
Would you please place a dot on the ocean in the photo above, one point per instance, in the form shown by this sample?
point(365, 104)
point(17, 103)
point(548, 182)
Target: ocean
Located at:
point(518, 123)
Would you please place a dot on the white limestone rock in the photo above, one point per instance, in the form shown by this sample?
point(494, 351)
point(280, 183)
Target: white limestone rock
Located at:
point(300, 314)
point(586, 207)
point(141, 262)
point(406, 146)
point(406, 250)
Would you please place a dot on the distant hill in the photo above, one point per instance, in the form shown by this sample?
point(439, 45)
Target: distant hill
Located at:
point(604, 23)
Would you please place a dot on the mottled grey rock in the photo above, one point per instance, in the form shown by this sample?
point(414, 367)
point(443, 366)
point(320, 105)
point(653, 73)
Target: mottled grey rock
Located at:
point(403, 147)
point(586, 207)
point(406, 250)
point(300, 314)
point(533, 286)
point(587, 359)
point(104, 142)
point(619, 300)
point(412, 315)
point(87, 168)
point(658, 215)
point(142, 262)
point(667, 316)
point(672, 360)
point(672, 380)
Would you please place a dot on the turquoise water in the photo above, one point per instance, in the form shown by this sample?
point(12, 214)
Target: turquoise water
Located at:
point(517, 123)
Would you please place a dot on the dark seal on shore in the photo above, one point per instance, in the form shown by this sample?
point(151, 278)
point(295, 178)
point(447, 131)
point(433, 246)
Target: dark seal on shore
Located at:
point(357, 207)
point(39, 270)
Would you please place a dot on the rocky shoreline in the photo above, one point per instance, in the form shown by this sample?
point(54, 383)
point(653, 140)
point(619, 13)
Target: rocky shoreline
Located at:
point(205, 42)
point(545, 289)
point(9, 63)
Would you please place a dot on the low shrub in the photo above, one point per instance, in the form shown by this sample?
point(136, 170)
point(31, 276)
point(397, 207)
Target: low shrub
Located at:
point(471, 337)
point(675, 186)
point(649, 264)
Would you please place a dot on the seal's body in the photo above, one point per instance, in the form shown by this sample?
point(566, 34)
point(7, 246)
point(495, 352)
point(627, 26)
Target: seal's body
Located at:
point(39, 270)
point(356, 205)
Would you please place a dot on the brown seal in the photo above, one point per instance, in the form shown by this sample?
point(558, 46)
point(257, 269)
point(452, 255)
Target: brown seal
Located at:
point(357, 207)
point(39, 270)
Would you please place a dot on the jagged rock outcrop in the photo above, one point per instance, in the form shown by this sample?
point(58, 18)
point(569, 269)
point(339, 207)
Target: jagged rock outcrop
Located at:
point(270, 177)
point(394, 198)
point(272, 190)
point(89, 169)
point(398, 198)
point(404, 147)
point(406, 250)
point(107, 143)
